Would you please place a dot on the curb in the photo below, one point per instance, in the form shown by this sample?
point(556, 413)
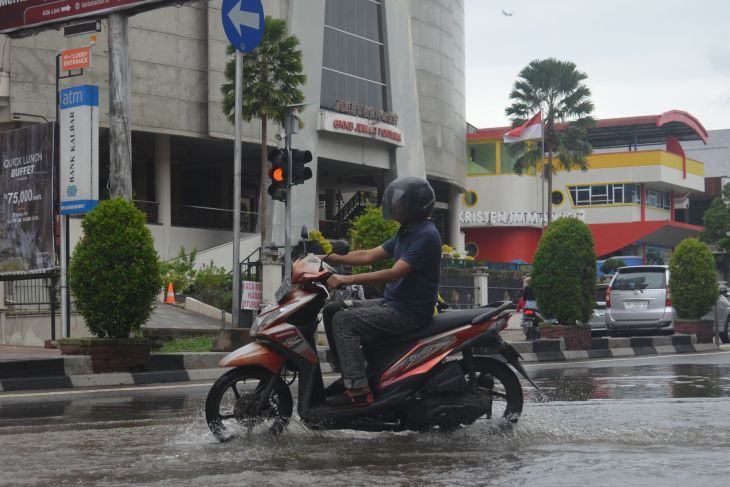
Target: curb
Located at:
point(75, 371)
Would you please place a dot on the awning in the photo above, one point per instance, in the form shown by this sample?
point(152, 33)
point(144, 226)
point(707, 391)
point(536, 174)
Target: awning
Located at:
point(610, 237)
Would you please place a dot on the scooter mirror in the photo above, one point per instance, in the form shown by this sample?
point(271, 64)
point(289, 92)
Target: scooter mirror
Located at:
point(340, 247)
point(304, 233)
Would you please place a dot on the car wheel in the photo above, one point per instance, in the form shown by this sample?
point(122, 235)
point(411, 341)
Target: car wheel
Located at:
point(725, 336)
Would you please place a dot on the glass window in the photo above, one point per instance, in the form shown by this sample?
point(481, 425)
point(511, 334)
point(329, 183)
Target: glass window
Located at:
point(604, 194)
point(639, 278)
point(506, 160)
point(599, 195)
point(482, 159)
point(618, 193)
point(353, 54)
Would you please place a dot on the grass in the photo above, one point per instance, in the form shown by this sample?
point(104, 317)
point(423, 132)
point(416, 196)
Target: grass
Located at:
point(193, 344)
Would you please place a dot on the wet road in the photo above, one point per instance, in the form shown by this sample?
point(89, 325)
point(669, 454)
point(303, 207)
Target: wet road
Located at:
point(643, 421)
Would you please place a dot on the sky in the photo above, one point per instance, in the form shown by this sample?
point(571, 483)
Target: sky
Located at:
point(642, 57)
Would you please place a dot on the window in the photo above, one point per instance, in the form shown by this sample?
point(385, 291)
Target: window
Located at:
point(658, 199)
point(604, 194)
point(353, 67)
point(506, 160)
point(482, 159)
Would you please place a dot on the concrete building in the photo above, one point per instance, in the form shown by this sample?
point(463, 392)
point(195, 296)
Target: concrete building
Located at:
point(385, 94)
point(628, 196)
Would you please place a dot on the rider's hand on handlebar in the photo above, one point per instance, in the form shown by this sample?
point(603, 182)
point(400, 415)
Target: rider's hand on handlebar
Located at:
point(337, 280)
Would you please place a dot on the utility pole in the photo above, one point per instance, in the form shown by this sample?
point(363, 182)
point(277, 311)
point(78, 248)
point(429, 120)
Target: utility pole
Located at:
point(120, 126)
point(236, 305)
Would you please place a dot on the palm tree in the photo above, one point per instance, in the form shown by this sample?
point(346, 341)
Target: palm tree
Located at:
point(556, 88)
point(272, 77)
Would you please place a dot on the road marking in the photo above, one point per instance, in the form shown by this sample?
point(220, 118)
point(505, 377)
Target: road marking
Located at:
point(66, 392)
point(633, 358)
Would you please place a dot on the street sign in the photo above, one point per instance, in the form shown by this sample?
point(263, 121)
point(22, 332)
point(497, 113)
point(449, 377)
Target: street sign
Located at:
point(17, 15)
point(78, 58)
point(79, 139)
point(243, 23)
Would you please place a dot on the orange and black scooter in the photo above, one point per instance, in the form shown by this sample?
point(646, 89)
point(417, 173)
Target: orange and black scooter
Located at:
point(430, 379)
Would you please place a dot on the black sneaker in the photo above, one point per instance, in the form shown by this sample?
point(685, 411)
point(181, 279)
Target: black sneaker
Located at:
point(337, 387)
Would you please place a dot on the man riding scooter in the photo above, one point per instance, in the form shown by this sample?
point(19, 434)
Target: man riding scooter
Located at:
point(410, 292)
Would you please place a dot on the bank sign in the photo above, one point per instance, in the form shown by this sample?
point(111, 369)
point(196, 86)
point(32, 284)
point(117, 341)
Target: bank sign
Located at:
point(79, 141)
point(17, 15)
point(480, 218)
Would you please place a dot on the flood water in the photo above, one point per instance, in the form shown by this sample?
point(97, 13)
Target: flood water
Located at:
point(651, 425)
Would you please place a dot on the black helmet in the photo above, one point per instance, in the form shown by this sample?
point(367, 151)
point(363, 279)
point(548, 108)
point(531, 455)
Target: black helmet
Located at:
point(408, 200)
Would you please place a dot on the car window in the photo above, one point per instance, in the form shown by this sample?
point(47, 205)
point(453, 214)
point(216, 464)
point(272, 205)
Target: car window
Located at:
point(639, 279)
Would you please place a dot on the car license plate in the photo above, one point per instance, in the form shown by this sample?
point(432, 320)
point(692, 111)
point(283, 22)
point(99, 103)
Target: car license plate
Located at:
point(637, 304)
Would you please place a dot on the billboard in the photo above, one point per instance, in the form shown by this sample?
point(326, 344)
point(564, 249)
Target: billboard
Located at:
point(26, 211)
point(79, 149)
point(19, 15)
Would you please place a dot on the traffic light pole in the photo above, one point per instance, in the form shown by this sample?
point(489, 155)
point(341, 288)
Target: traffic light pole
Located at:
point(290, 120)
point(236, 304)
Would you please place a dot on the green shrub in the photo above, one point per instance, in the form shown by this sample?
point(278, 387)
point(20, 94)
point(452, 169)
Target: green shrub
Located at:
point(192, 344)
point(114, 272)
point(564, 272)
point(212, 285)
point(180, 271)
point(693, 283)
point(611, 265)
point(371, 230)
point(323, 242)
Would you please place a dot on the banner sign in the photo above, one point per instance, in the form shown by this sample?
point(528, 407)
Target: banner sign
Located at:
point(78, 58)
point(26, 211)
point(79, 141)
point(250, 295)
point(479, 218)
point(17, 15)
point(361, 127)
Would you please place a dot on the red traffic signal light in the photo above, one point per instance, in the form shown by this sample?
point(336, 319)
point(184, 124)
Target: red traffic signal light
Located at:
point(278, 172)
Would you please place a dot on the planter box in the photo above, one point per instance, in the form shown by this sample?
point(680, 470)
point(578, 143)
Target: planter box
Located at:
point(110, 354)
point(703, 329)
point(576, 337)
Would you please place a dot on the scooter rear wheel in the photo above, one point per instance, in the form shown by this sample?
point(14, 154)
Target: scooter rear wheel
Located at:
point(232, 401)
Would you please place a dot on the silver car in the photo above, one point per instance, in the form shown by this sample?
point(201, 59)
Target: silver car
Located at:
point(598, 318)
point(638, 300)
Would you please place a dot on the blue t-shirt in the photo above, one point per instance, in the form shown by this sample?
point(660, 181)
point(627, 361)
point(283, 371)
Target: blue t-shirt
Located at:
point(416, 292)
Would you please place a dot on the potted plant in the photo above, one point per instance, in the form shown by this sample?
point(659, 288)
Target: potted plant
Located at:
point(115, 277)
point(564, 281)
point(693, 288)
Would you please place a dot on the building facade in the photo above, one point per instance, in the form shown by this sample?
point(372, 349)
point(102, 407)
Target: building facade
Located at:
point(384, 95)
point(629, 196)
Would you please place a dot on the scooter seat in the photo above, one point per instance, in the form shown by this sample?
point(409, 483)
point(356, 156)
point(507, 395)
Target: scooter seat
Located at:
point(447, 321)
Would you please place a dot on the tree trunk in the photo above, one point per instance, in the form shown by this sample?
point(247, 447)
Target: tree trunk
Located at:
point(549, 170)
point(262, 226)
point(120, 128)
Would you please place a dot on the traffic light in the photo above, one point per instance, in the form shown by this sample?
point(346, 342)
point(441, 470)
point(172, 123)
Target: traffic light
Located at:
point(300, 173)
point(277, 174)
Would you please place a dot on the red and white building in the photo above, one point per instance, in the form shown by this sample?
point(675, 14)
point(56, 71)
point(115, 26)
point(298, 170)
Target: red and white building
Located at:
point(639, 180)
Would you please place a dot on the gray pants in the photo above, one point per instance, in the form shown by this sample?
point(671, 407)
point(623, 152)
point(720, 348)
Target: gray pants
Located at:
point(348, 322)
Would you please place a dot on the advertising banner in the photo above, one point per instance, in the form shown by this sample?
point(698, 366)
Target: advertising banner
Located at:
point(17, 15)
point(250, 295)
point(26, 211)
point(79, 141)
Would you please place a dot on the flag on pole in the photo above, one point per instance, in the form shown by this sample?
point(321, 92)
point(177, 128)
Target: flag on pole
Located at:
point(530, 130)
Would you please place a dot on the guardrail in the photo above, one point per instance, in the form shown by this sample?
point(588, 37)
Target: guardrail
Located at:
point(206, 217)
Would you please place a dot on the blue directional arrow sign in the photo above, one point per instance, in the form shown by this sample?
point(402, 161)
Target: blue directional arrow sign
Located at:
point(243, 23)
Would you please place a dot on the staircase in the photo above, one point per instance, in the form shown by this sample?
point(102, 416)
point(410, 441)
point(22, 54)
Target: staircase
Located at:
point(342, 221)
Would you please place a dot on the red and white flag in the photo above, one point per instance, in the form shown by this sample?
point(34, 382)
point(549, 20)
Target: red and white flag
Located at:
point(530, 130)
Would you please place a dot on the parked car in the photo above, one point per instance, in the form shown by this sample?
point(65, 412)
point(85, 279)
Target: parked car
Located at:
point(639, 299)
point(598, 318)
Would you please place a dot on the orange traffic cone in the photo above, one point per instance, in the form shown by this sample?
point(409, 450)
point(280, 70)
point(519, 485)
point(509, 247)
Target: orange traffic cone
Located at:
point(170, 299)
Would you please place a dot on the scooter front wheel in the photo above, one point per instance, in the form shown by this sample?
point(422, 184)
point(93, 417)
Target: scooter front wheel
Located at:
point(233, 403)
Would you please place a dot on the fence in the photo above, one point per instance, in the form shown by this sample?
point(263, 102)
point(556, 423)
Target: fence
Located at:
point(32, 295)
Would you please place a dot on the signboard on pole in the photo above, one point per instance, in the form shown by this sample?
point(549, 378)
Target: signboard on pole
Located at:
point(18, 15)
point(79, 142)
point(243, 23)
point(251, 295)
point(78, 58)
point(26, 211)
